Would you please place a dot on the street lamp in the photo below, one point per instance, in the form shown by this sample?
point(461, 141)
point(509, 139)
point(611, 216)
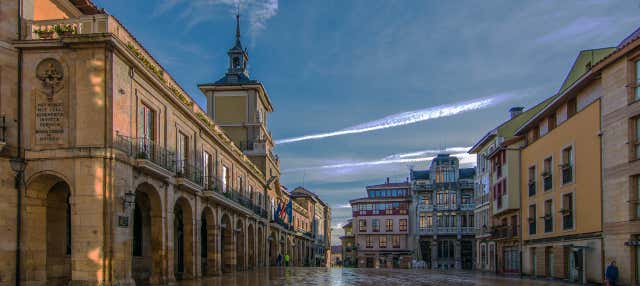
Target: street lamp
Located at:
point(18, 165)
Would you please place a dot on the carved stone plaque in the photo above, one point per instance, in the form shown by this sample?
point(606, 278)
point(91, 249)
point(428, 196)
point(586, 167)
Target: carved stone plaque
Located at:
point(50, 122)
point(50, 108)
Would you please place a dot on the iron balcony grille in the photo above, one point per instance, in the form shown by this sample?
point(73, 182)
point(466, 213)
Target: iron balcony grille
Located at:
point(214, 184)
point(189, 171)
point(143, 148)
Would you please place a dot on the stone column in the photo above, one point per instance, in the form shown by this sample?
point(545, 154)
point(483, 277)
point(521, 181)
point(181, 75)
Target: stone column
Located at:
point(457, 254)
point(434, 253)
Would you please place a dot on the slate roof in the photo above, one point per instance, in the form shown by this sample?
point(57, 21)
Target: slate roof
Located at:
point(420, 175)
point(467, 173)
point(390, 185)
point(234, 79)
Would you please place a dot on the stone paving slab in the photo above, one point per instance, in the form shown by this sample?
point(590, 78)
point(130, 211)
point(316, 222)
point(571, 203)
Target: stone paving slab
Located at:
point(361, 276)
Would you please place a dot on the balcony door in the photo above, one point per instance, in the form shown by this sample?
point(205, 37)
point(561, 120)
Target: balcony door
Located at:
point(146, 129)
point(181, 152)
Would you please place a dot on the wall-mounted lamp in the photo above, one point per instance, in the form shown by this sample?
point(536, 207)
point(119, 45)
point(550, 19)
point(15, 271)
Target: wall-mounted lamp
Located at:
point(128, 200)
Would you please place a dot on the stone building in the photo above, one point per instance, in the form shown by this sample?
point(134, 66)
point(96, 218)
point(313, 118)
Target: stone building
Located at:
point(443, 195)
point(484, 254)
point(111, 175)
point(320, 219)
point(382, 226)
point(348, 243)
point(619, 78)
point(498, 184)
point(561, 182)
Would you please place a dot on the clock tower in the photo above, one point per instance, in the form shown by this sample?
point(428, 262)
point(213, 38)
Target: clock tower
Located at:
point(240, 105)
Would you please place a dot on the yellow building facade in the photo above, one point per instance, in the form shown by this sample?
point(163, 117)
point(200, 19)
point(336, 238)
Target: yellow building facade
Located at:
point(561, 193)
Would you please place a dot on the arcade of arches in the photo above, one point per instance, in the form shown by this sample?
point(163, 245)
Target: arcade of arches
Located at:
point(172, 235)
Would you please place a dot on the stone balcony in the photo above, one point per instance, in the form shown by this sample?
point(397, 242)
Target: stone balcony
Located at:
point(445, 207)
point(446, 230)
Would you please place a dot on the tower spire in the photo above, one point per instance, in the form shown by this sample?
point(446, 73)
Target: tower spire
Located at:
point(238, 26)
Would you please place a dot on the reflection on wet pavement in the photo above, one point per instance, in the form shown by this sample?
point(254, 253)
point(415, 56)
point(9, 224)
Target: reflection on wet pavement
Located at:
point(362, 276)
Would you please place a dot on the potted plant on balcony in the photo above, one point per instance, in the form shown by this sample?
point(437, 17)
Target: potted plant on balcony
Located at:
point(546, 174)
point(44, 33)
point(64, 30)
point(564, 211)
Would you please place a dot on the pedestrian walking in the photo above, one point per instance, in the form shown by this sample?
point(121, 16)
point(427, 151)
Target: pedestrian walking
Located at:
point(611, 274)
point(286, 259)
point(279, 260)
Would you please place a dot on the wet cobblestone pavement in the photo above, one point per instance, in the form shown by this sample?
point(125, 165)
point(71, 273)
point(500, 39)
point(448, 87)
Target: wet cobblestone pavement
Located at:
point(358, 276)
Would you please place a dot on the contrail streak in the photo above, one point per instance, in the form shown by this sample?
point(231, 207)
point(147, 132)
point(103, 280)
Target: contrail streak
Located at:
point(427, 152)
point(410, 117)
point(464, 158)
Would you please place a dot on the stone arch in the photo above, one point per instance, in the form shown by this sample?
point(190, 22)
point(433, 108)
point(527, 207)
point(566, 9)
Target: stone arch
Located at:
point(47, 229)
point(183, 266)
point(147, 236)
point(240, 245)
point(227, 244)
point(251, 247)
point(207, 242)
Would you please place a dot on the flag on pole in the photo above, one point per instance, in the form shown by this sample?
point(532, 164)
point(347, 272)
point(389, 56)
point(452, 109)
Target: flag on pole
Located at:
point(282, 211)
point(289, 210)
point(276, 214)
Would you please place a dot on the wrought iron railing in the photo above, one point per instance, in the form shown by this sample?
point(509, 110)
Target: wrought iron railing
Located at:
point(186, 169)
point(214, 184)
point(143, 148)
point(505, 231)
point(467, 207)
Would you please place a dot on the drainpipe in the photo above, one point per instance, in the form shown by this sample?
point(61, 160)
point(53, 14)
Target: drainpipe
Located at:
point(19, 173)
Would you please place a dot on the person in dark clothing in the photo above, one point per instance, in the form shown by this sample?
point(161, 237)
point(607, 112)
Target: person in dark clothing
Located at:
point(611, 274)
point(279, 260)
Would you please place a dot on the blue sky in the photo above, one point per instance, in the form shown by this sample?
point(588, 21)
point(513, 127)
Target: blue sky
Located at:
point(329, 65)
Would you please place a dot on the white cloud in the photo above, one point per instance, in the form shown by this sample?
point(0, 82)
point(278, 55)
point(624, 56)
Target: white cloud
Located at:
point(195, 12)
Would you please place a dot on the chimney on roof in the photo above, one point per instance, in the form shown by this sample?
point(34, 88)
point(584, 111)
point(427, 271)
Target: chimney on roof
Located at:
point(515, 111)
point(387, 180)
